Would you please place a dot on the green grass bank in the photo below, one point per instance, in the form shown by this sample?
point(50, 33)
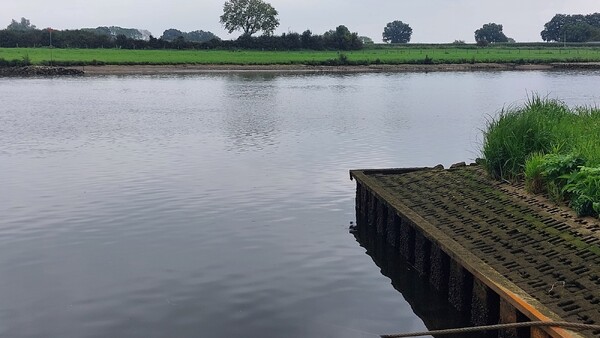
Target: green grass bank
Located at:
point(554, 148)
point(419, 54)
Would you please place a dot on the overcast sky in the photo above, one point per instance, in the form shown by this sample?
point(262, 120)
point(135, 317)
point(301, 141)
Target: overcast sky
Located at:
point(431, 20)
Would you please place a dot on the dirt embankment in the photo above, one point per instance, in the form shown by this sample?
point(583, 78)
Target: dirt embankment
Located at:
point(193, 69)
point(39, 71)
point(196, 69)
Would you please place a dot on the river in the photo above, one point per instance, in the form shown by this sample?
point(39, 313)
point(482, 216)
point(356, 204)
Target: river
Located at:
point(219, 204)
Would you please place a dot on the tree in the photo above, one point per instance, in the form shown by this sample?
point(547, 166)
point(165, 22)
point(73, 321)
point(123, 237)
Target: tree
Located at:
point(553, 29)
point(572, 28)
point(171, 34)
point(490, 33)
point(306, 38)
point(342, 39)
point(121, 41)
point(593, 19)
point(195, 36)
point(200, 36)
point(397, 32)
point(366, 40)
point(291, 40)
point(310, 41)
point(250, 16)
point(24, 25)
point(579, 32)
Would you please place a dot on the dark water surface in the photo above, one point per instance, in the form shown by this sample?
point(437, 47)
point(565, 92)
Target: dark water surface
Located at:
point(219, 205)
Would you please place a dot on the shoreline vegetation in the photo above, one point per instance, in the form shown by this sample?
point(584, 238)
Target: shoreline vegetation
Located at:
point(554, 149)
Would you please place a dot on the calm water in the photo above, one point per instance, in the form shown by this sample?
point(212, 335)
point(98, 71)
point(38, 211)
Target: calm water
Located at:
point(218, 205)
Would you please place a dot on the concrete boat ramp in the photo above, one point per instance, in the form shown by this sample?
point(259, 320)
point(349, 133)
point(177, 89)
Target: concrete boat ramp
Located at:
point(501, 254)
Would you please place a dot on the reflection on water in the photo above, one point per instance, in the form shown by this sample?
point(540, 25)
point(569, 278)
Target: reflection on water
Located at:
point(429, 304)
point(250, 118)
point(217, 205)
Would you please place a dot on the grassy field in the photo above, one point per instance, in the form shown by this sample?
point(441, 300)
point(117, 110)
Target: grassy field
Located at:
point(398, 55)
point(554, 148)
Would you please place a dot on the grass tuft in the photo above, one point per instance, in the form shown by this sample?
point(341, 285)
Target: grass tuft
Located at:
point(517, 133)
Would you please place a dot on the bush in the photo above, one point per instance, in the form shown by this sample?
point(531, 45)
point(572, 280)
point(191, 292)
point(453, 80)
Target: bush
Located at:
point(583, 188)
point(557, 165)
point(546, 173)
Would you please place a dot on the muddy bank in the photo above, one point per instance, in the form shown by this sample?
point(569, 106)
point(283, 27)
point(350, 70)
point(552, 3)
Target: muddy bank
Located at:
point(198, 69)
point(195, 69)
point(39, 71)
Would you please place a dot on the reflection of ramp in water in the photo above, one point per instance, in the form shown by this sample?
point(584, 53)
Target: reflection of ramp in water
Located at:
point(426, 302)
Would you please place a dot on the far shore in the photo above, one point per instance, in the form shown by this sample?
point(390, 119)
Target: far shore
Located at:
point(198, 69)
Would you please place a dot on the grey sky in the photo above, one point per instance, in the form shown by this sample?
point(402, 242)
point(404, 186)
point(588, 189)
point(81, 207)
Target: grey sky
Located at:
point(432, 21)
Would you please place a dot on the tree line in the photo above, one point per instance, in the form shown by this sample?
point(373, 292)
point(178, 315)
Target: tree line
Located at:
point(338, 39)
point(254, 16)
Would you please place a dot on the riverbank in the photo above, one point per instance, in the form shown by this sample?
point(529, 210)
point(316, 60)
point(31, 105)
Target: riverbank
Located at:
point(38, 71)
point(199, 69)
point(196, 69)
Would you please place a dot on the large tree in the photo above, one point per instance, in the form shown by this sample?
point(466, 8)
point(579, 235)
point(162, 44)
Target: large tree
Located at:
point(24, 25)
point(572, 28)
point(249, 16)
point(397, 32)
point(490, 33)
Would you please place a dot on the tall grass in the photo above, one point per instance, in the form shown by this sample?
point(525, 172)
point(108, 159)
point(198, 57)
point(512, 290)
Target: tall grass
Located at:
point(516, 133)
point(556, 149)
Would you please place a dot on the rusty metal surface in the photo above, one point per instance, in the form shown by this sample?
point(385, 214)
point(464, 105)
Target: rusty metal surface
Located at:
point(542, 248)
